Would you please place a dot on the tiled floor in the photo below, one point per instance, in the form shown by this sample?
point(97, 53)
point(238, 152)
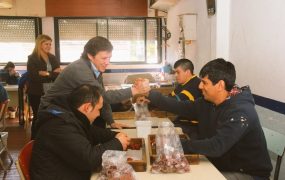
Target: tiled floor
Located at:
point(17, 138)
point(276, 122)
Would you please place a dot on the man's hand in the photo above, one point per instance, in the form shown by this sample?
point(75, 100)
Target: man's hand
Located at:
point(141, 86)
point(140, 99)
point(124, 139)
point(118, 125)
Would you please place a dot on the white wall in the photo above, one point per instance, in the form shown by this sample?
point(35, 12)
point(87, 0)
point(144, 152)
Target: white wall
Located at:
point(48, 29)
point(222, 29)
point(198, 51)
point(257, 36)
point(248, 33)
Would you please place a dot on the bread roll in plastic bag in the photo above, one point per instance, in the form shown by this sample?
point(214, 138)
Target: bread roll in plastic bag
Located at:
point(115, 166)
point(170, 155)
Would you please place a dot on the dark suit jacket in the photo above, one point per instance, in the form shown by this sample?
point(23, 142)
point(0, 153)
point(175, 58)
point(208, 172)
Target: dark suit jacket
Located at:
point(80, 72)
point(35, 80)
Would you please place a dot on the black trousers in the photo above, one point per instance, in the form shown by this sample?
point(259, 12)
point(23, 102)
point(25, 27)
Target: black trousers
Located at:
point(34, 101)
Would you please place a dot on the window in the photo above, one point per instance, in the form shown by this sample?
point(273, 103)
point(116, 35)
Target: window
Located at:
point(17, 38)
point(135, 40)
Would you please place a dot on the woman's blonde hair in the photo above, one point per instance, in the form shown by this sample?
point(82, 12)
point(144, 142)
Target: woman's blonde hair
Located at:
point(40, 39)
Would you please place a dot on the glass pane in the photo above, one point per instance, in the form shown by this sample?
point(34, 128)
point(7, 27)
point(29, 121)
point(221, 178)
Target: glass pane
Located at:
point(16, 35)
point(128, 39)
point(102, 27)
point(152, 41)
point(74, 33)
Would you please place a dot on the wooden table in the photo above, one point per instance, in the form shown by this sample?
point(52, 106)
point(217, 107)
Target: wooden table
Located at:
point(205, 170)
point(131, 122)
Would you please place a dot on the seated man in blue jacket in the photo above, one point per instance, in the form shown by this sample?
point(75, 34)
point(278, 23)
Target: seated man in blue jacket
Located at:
point(230, 134)
point(67, 146)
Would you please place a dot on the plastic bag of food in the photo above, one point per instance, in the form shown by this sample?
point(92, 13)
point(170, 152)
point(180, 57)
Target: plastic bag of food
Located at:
point(141, 110)
point(139, 103)
point(170, 155)
point(115, 166)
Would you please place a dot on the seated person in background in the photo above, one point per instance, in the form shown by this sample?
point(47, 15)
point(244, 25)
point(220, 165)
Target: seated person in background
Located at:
point(186, 90)
point(67, 146)
point(9, 75)
point(3, 94)
point(230, 134)
point(188, 82)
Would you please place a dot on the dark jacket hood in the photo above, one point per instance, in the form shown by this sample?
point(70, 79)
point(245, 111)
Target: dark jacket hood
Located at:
point(244, 94)
point(239, 96)
point(60, 108)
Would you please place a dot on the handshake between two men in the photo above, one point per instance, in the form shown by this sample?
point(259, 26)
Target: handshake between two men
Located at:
point(143, 90)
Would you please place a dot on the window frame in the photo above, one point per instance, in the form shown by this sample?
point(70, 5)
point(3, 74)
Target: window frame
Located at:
point(159, 37)
point(38, 30)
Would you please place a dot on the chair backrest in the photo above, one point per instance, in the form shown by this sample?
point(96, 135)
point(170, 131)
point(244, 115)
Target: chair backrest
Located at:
point(24, 80)
point(276, 144)
point(3, 111)
point(25, 158)
point(130, 79)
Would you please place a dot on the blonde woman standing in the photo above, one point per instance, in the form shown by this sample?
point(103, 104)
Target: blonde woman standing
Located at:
point(43, 68)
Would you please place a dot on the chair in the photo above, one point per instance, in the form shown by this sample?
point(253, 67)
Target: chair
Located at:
point(28, 114)
point(25, 114)
point(3, 111)
point(3, 145)
point(164, 90)
point(275, 144)
point(24, 158)
point(130, 79)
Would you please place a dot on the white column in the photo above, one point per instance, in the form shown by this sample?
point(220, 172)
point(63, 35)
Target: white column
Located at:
point(48, 29)
point(223, 28)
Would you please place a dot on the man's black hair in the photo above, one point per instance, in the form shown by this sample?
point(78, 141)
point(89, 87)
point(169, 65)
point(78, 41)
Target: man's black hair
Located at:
point(9, 65)
point(185, 64)
point(84, 94)
point(219, 69)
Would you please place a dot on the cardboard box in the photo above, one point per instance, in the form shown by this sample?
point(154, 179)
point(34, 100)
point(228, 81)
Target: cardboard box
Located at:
point(141, 164)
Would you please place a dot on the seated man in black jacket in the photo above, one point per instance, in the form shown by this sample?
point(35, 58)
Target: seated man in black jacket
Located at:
point(230, 134)
point(67, 146)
